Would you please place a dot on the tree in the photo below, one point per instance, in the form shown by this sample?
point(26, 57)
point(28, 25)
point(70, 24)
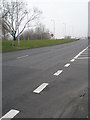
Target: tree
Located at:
point(67, 37)
point(40, 32)
point(14, 14)
point(3, 13)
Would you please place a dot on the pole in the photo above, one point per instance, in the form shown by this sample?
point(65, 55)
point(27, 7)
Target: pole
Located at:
point(18, 25)
point(53, 26)
point(65, 30)
point(72, 31)
point(12, 25)
point(12, 39)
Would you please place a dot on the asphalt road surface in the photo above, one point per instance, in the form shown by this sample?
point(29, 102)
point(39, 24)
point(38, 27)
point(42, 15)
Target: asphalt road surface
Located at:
point(47, 82)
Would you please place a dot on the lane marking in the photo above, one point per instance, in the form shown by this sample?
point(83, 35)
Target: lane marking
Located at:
point(67, 65)
point(80, 53)
point(83, 58)
point(40, 88)
point(58, 72)
point(12, 113)
point(83, 55)
point(72, 60)
point(22, 56)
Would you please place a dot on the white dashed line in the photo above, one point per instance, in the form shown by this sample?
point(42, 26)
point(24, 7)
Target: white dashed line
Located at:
point(11, 114)
point(40, 88)
point(67, 65)
point(72, 60)
point(22, 56)
point(58, 72)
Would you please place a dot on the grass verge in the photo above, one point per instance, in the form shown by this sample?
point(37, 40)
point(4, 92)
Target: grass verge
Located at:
point(29, 44)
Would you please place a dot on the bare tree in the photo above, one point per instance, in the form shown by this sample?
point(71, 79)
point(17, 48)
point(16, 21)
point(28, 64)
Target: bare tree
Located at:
point(14, 14)
point(39, 33)
point(3, 13)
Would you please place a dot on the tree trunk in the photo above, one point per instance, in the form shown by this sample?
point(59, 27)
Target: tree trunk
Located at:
point(14, 37)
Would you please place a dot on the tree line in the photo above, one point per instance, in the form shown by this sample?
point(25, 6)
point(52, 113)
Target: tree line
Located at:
point(39, 33)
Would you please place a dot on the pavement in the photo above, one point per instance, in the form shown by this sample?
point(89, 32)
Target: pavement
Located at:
point(65, 77)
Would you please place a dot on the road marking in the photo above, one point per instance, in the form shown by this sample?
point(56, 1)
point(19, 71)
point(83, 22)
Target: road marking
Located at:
point(10, 114)
point(80, 53)
point(83, 55)
point(72, 60)
point(22, 56)
point(40, 88)
point(58, 72)
point(83, 58)
point(67, 65)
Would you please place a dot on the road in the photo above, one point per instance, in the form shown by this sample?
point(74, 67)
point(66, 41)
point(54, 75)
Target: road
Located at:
point(24, 71)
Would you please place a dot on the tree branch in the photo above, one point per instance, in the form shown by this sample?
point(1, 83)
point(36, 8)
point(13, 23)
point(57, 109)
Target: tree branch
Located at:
point(7, 24)
point(24, 27)
point(20, 21)
point(31, 19)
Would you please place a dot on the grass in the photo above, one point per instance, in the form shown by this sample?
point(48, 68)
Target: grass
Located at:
point(0, 46)
point(29, 44)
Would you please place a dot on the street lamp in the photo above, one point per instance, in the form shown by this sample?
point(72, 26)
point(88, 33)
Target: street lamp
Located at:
point(65, 29)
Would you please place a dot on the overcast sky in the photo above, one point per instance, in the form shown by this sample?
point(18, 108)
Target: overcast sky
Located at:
point(70, 16)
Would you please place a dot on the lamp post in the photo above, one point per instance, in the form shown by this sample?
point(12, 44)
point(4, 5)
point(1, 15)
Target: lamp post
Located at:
point(65, 29)
point(72, 32)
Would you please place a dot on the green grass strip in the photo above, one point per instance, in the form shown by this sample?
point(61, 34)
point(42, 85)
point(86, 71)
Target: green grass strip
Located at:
point(29, 44)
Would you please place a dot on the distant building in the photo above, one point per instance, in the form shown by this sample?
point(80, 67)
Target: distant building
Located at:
point(89, 19)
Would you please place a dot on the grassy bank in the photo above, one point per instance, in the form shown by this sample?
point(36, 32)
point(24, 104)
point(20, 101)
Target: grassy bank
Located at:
point(29, 44)
point(0, 46)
